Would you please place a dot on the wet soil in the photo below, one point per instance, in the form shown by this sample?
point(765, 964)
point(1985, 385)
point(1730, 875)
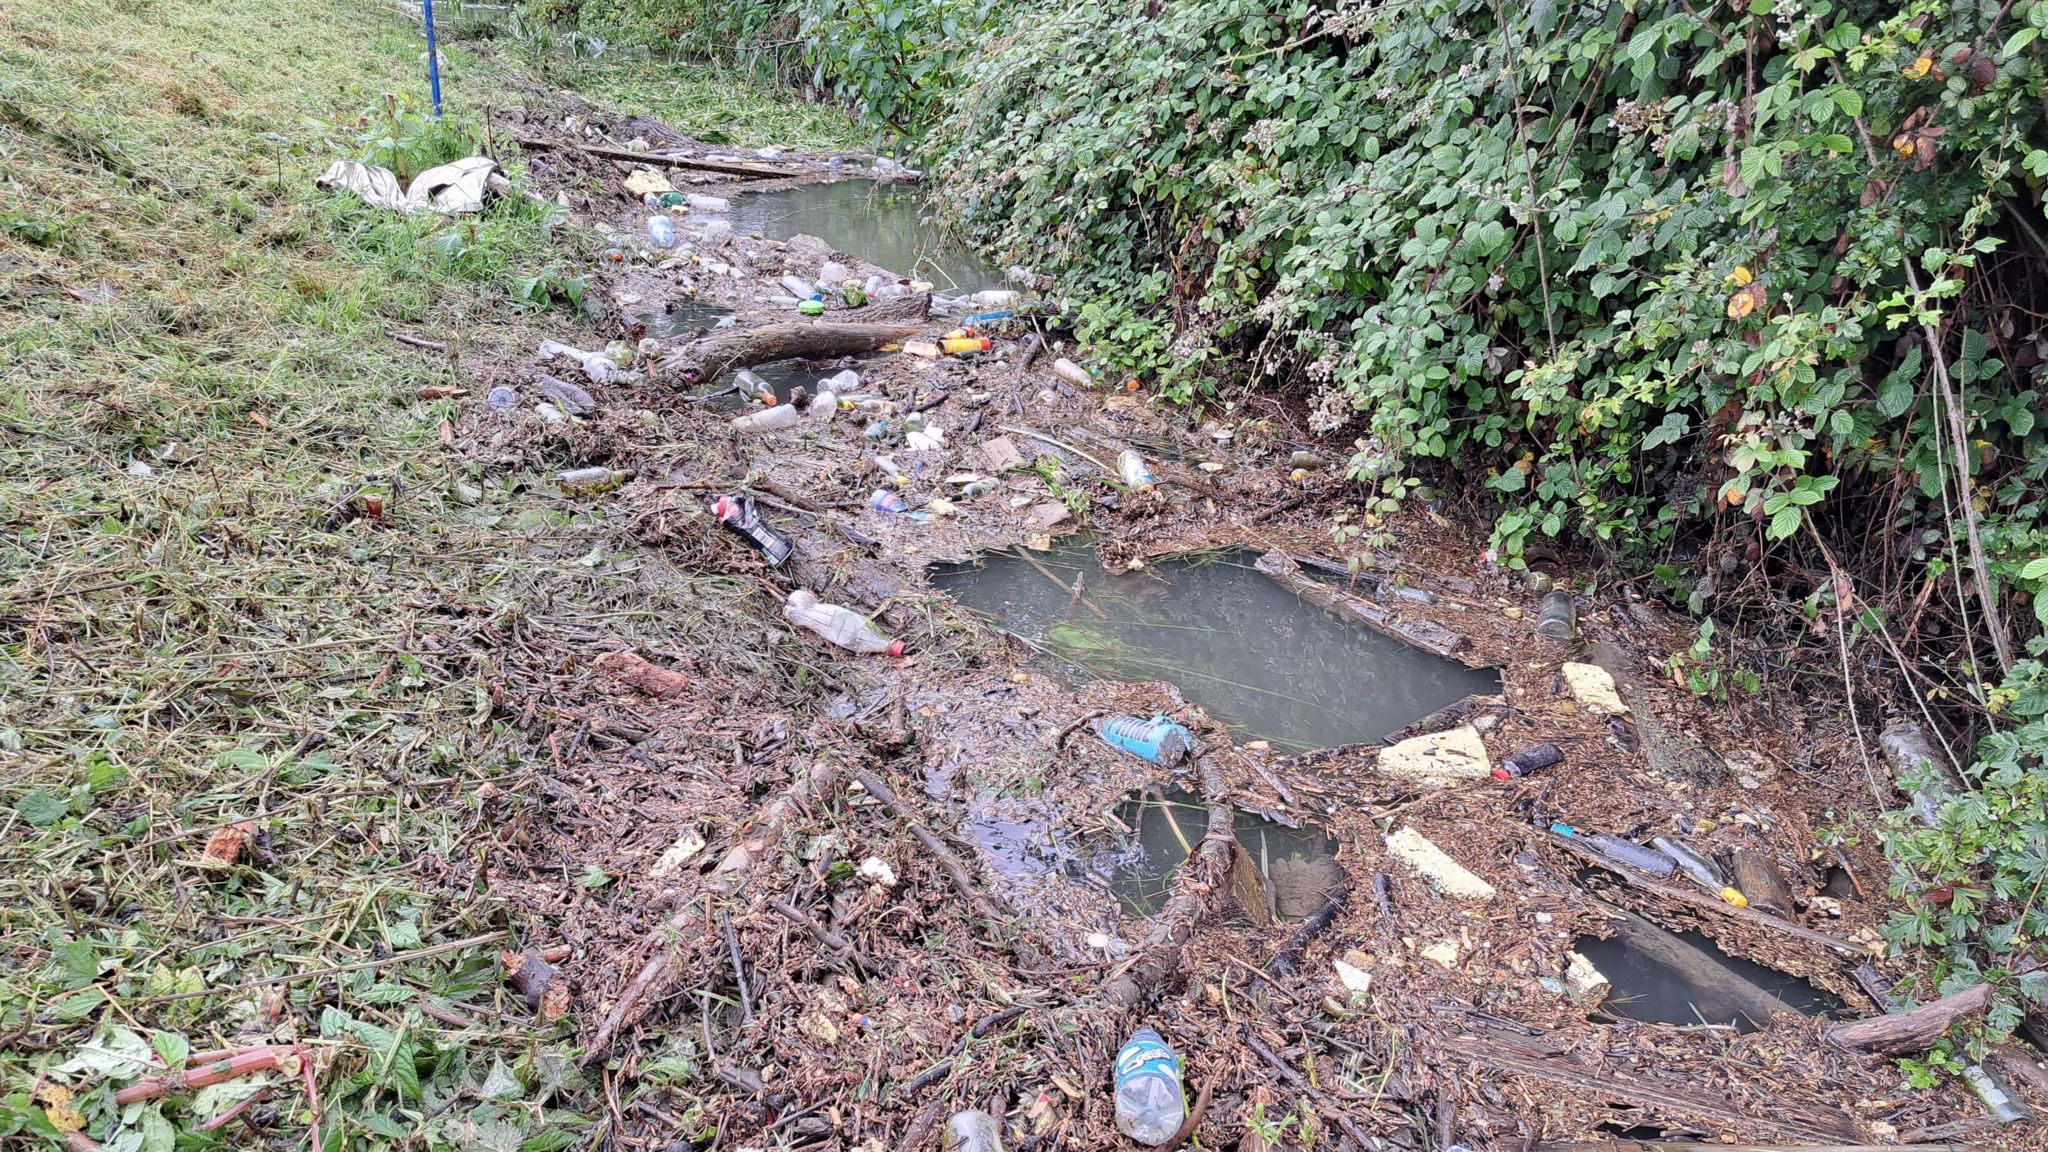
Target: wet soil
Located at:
point(804, 907)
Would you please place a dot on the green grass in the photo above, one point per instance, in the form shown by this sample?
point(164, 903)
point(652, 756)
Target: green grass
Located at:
point(197, 626)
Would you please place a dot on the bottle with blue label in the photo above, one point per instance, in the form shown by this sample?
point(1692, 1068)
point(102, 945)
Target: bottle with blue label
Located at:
point(1150, 1105)
point(1159, 739)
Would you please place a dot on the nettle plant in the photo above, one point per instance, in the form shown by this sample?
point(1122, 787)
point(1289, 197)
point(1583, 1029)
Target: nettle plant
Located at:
point(1654, 271)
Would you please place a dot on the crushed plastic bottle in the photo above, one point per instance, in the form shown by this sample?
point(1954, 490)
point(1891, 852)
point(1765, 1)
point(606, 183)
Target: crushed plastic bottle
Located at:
point(883, 500)
point(768, 419)
point(661, 231)
point(974, 1131)
point(842, 626)
point(1130, 467)
point(843, 381)
point(1160, 739)
point(833, 272)
point(1150, 1105)
point(739, 516)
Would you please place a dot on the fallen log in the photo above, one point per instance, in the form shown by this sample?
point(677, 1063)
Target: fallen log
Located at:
point(1206, 873)
point(657, 160)
point(1722, 993)
point(1912, 1029)
point(1427, 635)
point(896, 310)
point(1761, 883)
point(1671, 754)
point(1919, 771)
point(713, 356)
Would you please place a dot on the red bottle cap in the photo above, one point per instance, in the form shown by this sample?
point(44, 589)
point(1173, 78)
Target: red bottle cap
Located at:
point(896, 649)
point(725, 508)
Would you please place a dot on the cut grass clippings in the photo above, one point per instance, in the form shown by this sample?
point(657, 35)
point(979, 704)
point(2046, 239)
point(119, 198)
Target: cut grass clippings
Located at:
point(251, 757)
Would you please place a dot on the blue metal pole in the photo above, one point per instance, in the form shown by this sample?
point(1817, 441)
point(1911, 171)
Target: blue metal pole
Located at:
point(433, 58)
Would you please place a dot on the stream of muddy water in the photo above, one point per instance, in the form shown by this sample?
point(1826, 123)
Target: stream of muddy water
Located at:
point(883, 223)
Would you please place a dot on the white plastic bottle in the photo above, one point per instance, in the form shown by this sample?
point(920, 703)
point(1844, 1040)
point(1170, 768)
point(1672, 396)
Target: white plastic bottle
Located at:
point(824, 406)
point(1072, 373)
point(768, 419)
point(842, 626)
point(1149, 1103)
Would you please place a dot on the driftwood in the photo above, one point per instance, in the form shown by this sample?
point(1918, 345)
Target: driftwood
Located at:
point(1205, 873)
point(1666, 1100)
point(1761, 883)
point(1723, 994)
point(1427, 635)
point(1911, 1030)
point(1672, 754)
point(656, 160)
point(913, 309)
point(723, 351)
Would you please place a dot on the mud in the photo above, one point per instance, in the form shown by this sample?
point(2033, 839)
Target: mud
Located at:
point(838, 968)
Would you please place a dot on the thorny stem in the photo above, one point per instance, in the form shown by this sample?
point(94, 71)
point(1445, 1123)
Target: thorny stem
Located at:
point(1951, 404)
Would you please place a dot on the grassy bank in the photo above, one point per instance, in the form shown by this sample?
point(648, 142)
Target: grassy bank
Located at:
point(242, 580)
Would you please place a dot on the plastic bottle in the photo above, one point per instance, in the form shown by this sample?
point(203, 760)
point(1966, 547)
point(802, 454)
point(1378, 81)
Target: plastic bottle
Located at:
point(1700, 869)
point(842, 626)
point(883, 500)
point(975, 488)
point(1159, 739)
point(740, 517)
point(843, 381)
point(768, 419)
point(961, 345)
point(702, 203)
point(974, 1131)
point(662, 231)
point(585, 481)
point(1557, 618)
point(1531, 759)
point(800, 288)
point(824, 406)
point(1648, 861)
point(889, 468)
point(833, 272)
point(1150, 1105)
point(754, 386)
point(877, 430)
point(1072, 373)
point(996, 298)
point(1131, 468)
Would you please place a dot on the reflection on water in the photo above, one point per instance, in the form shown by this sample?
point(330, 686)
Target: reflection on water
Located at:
point(1253, 654)
point(882, 223)
point(1299, 863)
point(1663, 977)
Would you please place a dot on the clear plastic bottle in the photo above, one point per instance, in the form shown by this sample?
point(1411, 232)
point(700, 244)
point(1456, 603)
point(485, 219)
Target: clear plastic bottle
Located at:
point(1072, 373)
point(752, 385)
point(975, 1131)
point(1130, 467)
point(824, 406)
point(768, 419)
point(1149, 1102)
point(842, 626)
point(661, 230)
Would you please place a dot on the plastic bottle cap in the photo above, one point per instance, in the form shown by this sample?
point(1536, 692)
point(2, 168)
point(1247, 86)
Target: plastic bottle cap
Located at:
point(896, 649)
point(724, 508)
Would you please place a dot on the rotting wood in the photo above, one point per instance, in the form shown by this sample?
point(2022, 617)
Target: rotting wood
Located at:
point(1912, 1029)
point(1194, 886)
point(714, 355)
point(1287, 961)
point(1667, 1098)
point(1704, 1146)
point(1761, 883)
point(1697, 899)
point(1725, 993)
point(657, 160)
point(1672, 755)
point(1427, 635)
point(912, 309)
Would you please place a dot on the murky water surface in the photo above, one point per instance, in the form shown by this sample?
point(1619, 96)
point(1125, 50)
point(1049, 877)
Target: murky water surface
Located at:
point(1254, 655)
point(880, 222)
point(682, 317)
point(1300, 864)
point(1664, 977)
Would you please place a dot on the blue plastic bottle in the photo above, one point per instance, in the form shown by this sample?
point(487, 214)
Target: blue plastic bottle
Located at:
point(1150, 1105)
point(1159, 739)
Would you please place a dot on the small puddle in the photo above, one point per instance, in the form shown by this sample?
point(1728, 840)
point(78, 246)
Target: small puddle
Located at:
point(1254, 655)
point(1300, 863)
point(882, 223)
point(1662, 977)
point(683, 316)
